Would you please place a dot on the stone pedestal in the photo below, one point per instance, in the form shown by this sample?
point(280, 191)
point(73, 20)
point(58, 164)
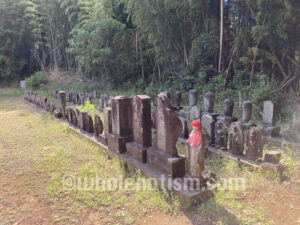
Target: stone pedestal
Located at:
point(117, 142)
point(121, 124)
point(171, 166)
point(142, 137)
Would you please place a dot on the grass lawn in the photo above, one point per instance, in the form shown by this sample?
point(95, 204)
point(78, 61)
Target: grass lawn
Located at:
point(37, 152)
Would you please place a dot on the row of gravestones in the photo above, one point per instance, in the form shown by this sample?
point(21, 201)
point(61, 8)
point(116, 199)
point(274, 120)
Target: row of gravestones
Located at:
point(225, 132)
point(127, 129)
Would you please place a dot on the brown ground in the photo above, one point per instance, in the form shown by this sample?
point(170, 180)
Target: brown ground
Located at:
point(24, 187)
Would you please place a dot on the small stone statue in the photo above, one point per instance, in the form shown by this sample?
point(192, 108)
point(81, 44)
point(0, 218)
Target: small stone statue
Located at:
point(254, 144)
point(236, 139)
point(221, 134)
point(195, 153)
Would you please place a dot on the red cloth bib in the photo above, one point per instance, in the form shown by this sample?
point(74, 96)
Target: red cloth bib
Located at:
point(195, 137)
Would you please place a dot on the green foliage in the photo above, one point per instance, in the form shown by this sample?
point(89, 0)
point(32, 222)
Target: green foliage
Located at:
point(36, 81)
point(89, 108)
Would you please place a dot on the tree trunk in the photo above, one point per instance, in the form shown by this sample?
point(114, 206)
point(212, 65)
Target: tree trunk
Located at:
point(221, 34)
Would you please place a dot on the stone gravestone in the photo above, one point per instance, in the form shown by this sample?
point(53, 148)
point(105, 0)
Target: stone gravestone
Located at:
point(142, 136)
point(254, 144)
point(221, 134)
point(121, 124)
point(177, 100)
point(247, 113)
point(62, 103)
point(23, 84)
point(73, 116)
point(185, 130)
point(82, 120)
point(89, 124)
point(236, 139)
point(209, 102)
point(208, 128)
point(107, 126)
point(195, 113)
point(193, 98)
point(228, 111)
point(268, 121)
point(98, 127)
point(163, 155)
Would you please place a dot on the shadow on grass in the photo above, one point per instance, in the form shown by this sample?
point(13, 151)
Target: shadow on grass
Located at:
point(211, 212)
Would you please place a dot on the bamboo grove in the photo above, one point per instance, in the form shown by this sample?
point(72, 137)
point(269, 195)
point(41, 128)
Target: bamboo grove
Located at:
point(137, 42)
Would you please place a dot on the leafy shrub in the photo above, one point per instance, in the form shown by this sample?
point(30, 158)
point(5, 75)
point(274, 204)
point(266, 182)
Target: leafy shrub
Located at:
point(89, 108)
point(36, 81)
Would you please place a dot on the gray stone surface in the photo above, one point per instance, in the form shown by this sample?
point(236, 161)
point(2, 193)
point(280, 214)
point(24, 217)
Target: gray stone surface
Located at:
point(228, 107)
point(221, 134)
point(141, 118)
point(98, 126)
point(185, 131)
point(247, 111)
point(209, 102)
point(208, 129)
point(168, 126)
point(195, 113)
point(272, 157)
point(254, 144)
point(193, 98)
point(236, 139)
point(122, 116)
point(107, 121)
point(268, 112)
point(23, 84)
point(177, 100)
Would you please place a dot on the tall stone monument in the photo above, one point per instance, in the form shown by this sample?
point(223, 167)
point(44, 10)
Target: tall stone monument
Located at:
point(142, 136)
point(121, 124)
point(193, 98)
point(177, 100)
point(163, 155)
point(269, 128)
point(236, 139)
point(62, 103)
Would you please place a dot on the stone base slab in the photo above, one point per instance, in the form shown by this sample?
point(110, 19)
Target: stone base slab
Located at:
point(168, 165)
point(118, 143)
point(137, 151)
point(103, 139)
point(271, 131)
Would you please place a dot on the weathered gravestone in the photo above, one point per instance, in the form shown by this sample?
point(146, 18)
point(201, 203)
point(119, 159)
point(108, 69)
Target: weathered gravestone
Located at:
point(208, 127)
point(185, 131)
point(98, 127)
point(121, 124)
point(254, 144)
point(89, 124)
point(247, 113)
point(23, 84)
point(228, 111)
point(142, 137)
point(195, 113)
point(236, 139)
point(268, 121)
point(193, 98)
point(177, 100)
point(73, 117)
point(221, 134)
point(163, 155)
point(209, 102)
point(82, 120)
point(62, 103)
point(107, 126)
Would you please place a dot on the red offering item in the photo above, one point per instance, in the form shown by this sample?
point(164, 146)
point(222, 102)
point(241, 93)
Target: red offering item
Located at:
point(196, 136)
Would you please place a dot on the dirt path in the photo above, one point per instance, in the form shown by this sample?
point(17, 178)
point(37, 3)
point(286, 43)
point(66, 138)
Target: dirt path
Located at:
point(35, 151)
